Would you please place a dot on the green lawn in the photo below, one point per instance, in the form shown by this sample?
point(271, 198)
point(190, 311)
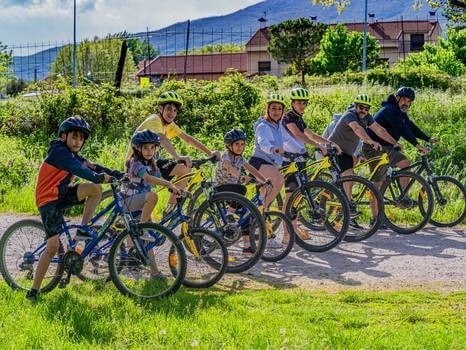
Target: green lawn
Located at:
point(95, 316)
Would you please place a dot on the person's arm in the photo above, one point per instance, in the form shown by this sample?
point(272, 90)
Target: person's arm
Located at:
point(161, 182)
point(418, 132)
point(307, 138)
point(264, 137)
point(62, 158)
point(195, 143)
point(381, 132)
point(167, 145)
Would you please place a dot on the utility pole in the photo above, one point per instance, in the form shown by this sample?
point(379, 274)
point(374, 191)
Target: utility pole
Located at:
point(364, 39)
point(74, 43)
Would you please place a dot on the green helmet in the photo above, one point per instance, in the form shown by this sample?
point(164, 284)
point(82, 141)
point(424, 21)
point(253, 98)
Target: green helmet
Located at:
point(363, 99)
point(274, 97)
point(170, 97)
point(299, 94)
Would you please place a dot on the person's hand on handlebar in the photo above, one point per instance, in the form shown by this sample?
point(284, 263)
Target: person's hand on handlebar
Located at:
point(176, 190)
point(217, 154)
point(422, 149)
point(186, 160)
point(375, 145)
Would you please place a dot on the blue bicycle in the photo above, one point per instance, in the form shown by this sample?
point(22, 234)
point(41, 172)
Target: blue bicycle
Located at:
point(141, 249)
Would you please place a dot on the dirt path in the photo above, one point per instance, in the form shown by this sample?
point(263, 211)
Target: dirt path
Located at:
point(434, 259)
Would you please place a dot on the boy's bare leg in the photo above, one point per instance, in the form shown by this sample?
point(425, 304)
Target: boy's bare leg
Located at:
point(149, 205)
point(44, 261)
point(92, 193)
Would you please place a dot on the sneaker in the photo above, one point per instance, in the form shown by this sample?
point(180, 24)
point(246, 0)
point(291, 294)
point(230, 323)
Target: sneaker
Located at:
point(82, 235)
point(249, 250)
point(32, 295)
point(354, 224)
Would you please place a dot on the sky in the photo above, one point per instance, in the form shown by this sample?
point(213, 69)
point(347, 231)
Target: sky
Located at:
point(36, 21)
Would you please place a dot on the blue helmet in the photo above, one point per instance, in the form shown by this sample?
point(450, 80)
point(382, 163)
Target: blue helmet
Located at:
point(233, 136)
point(75, 123)
point(406, 91)
point(144, 136)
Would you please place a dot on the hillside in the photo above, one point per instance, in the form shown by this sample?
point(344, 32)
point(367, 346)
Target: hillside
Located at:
point(238, 27)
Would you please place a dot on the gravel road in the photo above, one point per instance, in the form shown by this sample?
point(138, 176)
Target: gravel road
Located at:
point(434, 259)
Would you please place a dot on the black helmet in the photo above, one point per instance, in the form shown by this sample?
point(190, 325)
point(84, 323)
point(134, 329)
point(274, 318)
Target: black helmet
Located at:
point(406, 91)
point(144, 136)
point(75, 123)
point(234, 135)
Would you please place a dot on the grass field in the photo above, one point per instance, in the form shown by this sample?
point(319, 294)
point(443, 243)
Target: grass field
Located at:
point(90, 315)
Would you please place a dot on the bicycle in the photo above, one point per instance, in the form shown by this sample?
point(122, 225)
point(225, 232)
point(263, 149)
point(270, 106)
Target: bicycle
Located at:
point(23, 243)
point(450, 195)
point(315, 204)
point(279, 228)
point(206, 254)
point(365, 201)
point(404, 193)
point(229, 215)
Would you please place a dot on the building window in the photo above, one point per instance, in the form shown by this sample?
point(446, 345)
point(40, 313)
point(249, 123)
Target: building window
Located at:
point(417, 42)
point(263, 67)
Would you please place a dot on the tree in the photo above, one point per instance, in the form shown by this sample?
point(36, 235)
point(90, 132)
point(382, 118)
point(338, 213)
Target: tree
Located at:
point(97, 60)
point(6, 59)
point(456, 42)
point(454, 10)
point(295, 42)
point(215, 48)
point(140, 49)
point(341, 50)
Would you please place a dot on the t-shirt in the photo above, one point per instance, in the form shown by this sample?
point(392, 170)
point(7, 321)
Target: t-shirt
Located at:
point(135, 171)
point(344, 136)
point(292, 144)
point(154, 123)
point(222, 175)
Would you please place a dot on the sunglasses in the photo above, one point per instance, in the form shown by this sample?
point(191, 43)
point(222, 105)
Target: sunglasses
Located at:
point(364, 108)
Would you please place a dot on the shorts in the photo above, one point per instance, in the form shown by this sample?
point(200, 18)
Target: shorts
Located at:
point(257, 162)
point(134, 203)
point(52, 214)
point(345, 161)
point(290, 181)
point(394, 157)
point(166, 166)
point(237, 188)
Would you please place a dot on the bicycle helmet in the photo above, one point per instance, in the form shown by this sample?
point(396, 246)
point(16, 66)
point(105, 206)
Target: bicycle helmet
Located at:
point(274, 97)
point(363, 99)
point(406, 91)
point(170, 97)
point(143, 137)
point(234, 135)
point(299, 94)
point(75, 123)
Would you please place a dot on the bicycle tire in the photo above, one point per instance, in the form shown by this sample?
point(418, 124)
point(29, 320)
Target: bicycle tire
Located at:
point(132, 276)
point(332, 212)
point(365, 224)
point(211, 216)
point(450, 210)
point(18, 261)
point(402, 214)
point(279, 244)
point(206, 261)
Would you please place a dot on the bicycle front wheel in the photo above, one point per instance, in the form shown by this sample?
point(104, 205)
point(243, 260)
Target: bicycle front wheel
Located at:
point(240, 225)
point(319, 204)
point(21, 246)
point(367, 203)
point(280, 236)
point(146, 273)
point(408, 202)
point(450, 201)
point(207, 258)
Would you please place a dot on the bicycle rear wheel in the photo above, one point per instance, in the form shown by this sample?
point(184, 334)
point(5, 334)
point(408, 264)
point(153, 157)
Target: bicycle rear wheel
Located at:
point(240, 225)
point(20, 249)
point(450, 201)
point(402, 204)
point(152, 280)
point(318, 204)
point(207, 258)
point(367, 202)
point(280, 236)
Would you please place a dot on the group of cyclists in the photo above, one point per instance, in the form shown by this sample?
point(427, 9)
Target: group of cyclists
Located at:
point(277, 134)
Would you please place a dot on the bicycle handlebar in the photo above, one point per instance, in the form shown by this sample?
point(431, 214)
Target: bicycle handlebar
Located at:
point(198, 162)
point(293, 156)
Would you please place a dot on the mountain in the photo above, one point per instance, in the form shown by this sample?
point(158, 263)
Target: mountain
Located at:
point(238, 27)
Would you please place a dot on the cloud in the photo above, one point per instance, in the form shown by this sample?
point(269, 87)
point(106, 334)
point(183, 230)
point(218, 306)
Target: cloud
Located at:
point(81, 5)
